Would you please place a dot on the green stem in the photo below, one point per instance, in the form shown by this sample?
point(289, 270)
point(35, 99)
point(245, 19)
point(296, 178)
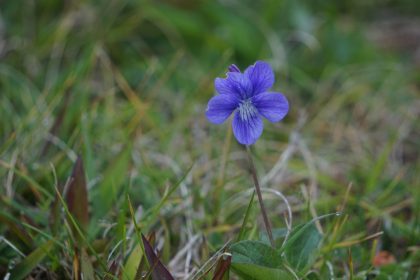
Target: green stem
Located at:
point(259, 195)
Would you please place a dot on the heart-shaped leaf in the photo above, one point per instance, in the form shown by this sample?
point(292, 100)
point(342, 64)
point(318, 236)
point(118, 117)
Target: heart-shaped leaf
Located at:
point(257, 260)
point(300, 250)
point(278, 236)
point(303, 244)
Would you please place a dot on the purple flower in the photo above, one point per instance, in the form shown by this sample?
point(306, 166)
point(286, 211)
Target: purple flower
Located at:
point(247, 96)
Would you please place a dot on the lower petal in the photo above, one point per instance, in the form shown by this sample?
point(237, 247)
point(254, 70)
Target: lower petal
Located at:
point(249, 130)
point(220, 107)
point(272, 106)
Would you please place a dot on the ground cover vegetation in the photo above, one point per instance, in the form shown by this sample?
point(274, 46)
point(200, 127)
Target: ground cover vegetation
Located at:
point(109, 168)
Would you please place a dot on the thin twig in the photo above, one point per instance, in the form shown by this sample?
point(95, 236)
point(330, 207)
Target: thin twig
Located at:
point(260, 200)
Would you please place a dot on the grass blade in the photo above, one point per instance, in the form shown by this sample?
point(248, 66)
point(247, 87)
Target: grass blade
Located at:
point(241, 235)
point(31, 261)
point(16, 229)
point(153, 213)
point(115, 175)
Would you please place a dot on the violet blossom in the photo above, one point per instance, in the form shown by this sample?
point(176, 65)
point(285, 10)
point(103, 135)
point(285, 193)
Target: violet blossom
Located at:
point(247, 95)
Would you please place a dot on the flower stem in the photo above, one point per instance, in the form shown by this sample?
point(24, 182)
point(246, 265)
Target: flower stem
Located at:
point(260, 200)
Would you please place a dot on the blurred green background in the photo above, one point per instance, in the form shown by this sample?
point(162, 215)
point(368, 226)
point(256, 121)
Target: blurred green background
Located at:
point(124, 84)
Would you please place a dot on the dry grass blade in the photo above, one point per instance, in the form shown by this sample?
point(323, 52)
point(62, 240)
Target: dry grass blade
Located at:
point(349, 243)
point(222, 269)
point(76, 266)
point(113, 270)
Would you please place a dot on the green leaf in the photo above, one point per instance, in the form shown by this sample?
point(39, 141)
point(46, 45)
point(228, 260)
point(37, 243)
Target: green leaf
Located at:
point(257, 260)
point(21, 270)
point(303, 244)
point(278, 235)
point(300, 250)
point(86, 267)
point(115, 175)
point(131, 265)
point(241, 235)
point(255, 272)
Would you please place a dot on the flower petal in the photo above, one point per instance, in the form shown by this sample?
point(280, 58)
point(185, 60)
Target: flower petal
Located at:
point(271, 105)
point(261, 76)
point(235, 84)
point(224, 86)
point(220, 107)
point(242, 84)
point(234, 68)
point(249, 130)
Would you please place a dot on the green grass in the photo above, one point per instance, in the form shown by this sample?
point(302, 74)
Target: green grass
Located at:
point(124, 85)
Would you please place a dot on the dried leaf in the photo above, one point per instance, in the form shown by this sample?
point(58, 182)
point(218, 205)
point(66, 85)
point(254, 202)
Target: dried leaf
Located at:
point(159, 271)
point(76, 198)
point(383, 258)
point(222, 269)
point(76, 266)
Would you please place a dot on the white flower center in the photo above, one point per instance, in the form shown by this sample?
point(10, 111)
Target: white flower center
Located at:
point(247, 110)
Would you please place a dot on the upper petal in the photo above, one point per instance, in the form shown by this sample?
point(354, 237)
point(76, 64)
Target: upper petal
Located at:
point(249, 130)
point(235, 83)
point(271, 105)
point(261, 76)
point(220, 107)
point(224, 86)
point(234, 68)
